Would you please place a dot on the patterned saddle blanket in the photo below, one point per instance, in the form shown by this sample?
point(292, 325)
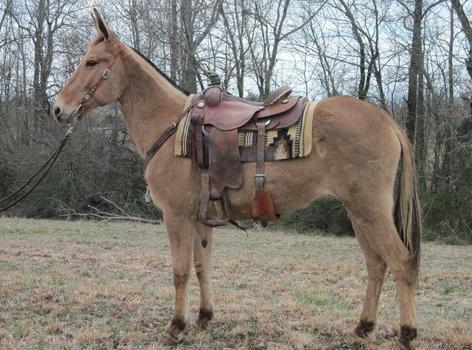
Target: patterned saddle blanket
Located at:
point(279, 144)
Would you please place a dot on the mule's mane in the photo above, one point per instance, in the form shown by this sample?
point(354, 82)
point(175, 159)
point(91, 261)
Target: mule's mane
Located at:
point(166, 77)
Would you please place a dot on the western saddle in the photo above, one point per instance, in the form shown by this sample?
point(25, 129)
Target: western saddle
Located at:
point(215, 118)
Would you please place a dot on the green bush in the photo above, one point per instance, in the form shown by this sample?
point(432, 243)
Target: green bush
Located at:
point(326, 215)
point(93, 166)
point(448, 217)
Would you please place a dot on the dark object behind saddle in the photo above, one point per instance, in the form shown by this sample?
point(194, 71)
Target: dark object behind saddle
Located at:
point(216, 117)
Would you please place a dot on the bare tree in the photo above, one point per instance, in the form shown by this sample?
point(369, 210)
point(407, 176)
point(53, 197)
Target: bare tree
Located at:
point(365, 67)
point(240, 36)
point(271, 35)
point(198, 17)
point(45, 19)
point(467, 28)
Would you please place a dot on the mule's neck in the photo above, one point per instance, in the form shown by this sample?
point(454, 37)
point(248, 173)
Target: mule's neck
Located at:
point(149, 102)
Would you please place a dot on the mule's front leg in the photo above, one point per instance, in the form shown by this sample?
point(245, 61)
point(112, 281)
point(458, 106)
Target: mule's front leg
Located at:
point(180, 231)
point(203, 244)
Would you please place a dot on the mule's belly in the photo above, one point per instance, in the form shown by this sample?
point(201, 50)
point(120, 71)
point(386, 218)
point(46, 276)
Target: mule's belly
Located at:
point(292, 184)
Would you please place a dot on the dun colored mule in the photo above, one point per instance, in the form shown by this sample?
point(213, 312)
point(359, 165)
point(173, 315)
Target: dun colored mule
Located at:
point(357, 150)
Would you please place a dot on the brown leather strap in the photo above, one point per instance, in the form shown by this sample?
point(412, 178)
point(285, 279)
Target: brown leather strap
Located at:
point(168, 132)
point(260, 166)
point(198, 142)
point(44, 169)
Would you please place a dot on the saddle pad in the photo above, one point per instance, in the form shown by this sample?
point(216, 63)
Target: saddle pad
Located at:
point(286, 143)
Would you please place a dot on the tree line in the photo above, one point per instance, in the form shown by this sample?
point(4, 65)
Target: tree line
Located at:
point(412, 58)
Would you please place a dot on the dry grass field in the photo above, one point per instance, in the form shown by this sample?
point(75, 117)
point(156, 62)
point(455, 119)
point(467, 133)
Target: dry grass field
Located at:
point(76, 285)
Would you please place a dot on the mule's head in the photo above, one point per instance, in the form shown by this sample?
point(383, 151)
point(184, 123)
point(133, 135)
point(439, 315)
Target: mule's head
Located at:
point(103, 54)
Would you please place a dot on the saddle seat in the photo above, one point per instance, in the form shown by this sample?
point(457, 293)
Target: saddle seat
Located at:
point(227, 112)
point(216, 117)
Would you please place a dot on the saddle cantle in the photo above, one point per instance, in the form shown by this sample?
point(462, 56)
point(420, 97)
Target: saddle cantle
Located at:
point(216, 118)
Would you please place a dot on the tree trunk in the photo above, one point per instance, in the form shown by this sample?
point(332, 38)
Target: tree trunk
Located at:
point(173, 40)
point(466, 27)
point(189, 69)
point(414, 71)
point(420, 146)
point(450, 57)
point(38, 54)
point(363, 85)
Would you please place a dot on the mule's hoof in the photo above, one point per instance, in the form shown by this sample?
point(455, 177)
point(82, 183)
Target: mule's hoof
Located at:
point(407, 334)
point(363, 329)
point(403, 346)
point(356, 337)
point(204, 317)
point(353, 338)
point(169, 339)
point(171, 335)
point(203, 323)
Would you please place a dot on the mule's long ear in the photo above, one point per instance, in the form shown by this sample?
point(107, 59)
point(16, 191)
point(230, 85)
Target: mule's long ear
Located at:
point(100, 25)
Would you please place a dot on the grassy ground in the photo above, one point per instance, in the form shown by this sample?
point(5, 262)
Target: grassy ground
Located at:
point(73, 285)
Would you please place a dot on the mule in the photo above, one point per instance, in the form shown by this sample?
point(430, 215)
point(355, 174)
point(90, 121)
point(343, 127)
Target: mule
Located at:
point(357, 151)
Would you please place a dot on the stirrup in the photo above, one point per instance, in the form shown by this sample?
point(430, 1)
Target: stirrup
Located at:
point(222, 214)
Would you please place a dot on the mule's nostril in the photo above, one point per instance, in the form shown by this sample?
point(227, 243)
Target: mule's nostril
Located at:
point(57, 111)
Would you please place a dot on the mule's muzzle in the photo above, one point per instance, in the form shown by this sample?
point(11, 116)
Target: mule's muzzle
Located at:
point(60, 112)
point(57, 113)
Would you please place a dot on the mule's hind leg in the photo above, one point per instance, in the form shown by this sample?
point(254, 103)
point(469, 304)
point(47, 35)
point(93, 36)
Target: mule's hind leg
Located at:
point(180, 231)
point(382, 236)
point(202, 245)
point(376, 269)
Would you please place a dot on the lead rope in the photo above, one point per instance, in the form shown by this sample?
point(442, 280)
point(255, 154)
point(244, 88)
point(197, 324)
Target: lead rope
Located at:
point(47, 165)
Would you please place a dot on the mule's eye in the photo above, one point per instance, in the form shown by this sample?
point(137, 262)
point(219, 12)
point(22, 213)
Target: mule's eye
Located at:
point(91, 63)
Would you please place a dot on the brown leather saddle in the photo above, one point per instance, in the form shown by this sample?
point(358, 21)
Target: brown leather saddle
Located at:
point(216, 118)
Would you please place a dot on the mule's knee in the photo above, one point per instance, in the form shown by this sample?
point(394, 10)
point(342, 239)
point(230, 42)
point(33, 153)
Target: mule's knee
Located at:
point(199, 271)
point(180, 279)
point(403, 274)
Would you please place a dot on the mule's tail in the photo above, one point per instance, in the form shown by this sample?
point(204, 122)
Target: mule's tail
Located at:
point(407, 208)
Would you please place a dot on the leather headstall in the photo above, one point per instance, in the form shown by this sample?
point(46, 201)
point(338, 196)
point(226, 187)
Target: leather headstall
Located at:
point(79, 111)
